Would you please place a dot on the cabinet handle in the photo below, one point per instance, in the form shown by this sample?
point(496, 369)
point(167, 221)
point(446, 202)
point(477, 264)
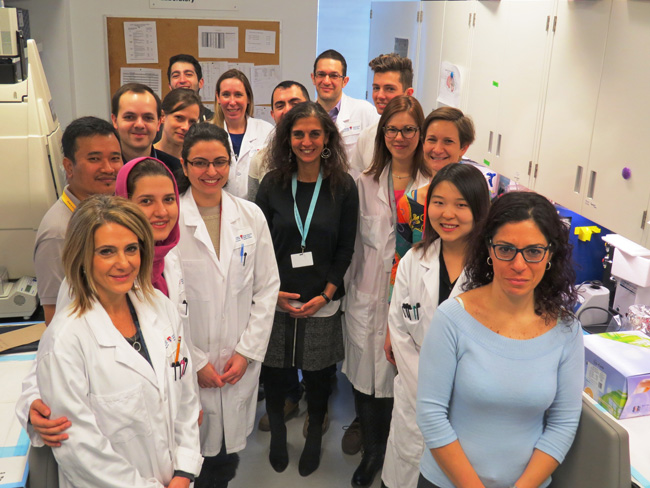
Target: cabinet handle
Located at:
point(469, 21)
point(530, 167)
point(578, 183)
point(548, 22)
point(643, 219)
point(592, 185)
point(474, 20)
point(499, 145)
point(536, 167)
point(490, 142)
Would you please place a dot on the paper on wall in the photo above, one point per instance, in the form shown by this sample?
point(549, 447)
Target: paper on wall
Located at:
point(246, 68)
point(141, 42)
point(265, 78)
point(147, 76)
point(212, 70)
point(218, 41)
point(260, 41)
point(263, 112)
point(450, 83)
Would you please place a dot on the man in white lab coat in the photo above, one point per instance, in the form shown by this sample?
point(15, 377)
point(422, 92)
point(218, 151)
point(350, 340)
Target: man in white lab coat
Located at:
point(349, 114)
point(393, 77)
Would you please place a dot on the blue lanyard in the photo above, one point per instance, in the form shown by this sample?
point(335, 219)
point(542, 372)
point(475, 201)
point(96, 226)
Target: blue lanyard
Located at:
point(305, 230)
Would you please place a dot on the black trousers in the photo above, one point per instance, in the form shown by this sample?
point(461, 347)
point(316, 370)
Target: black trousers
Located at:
point(219, 470)
point(425, 483)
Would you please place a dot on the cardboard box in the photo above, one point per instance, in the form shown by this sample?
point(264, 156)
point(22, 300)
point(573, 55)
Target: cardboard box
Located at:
point(617, 372)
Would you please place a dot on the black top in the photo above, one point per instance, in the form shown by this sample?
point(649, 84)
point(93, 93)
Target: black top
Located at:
point(330, 238)
point(206, 114)
point(444, 282)
point(172, 162)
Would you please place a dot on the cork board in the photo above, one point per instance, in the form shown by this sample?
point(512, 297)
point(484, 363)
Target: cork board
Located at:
point(176, 36)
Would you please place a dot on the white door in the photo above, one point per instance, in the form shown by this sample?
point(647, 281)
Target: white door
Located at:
point(392, 25)
point(571, 98)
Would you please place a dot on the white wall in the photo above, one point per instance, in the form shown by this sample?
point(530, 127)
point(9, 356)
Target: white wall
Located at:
point(73, 36)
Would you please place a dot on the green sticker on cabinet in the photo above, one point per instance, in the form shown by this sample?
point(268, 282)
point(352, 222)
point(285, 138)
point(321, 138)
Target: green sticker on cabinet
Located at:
point(486, 162)
point(495, 83)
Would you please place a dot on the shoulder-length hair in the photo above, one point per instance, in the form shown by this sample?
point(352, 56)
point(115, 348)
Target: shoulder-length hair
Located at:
point(382, 156)
point(555, 295)
point(471, 184)
point(79, 247)
point(281, 160)
point(463, 123)
point(218, 118)
point(203, 131)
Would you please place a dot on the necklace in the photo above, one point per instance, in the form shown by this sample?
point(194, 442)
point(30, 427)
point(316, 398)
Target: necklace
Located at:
point(401, 177)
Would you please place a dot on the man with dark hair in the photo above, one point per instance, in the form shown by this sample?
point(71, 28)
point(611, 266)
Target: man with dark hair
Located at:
point(286, 95)
point(136, 112)
point(184, 71)
point(350, 115)
point(393, 77)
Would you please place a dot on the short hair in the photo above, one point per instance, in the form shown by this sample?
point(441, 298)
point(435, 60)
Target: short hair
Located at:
point(203, 131)
point(218, 118)
point(471, 184)
point(133, 88)
point(146, 167)
point(381, 156)
point(464, 124)
point(84, 127)
point(280, 158)
point(184, 58)
point(555, 294)
point(79, 247)
point(179, 99)
point(288, 84)
point(336, 56)
point(394, 62)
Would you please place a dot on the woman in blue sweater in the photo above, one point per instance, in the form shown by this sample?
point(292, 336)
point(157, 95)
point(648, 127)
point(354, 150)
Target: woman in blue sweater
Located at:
point(501, 367)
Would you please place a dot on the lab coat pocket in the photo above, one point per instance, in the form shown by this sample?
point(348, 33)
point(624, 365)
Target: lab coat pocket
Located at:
point(369, 227)
point(242, 263)
point(415, 327)
point(198, 280)
point(357, 315)
point(122, 416)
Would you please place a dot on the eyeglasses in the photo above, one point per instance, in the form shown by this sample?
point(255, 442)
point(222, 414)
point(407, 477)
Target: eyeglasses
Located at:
point(321, 75)
point(531, 254)
point(203, 164)
point(407, 132)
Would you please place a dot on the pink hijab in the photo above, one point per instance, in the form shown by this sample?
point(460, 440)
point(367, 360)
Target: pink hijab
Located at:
point(161, 247)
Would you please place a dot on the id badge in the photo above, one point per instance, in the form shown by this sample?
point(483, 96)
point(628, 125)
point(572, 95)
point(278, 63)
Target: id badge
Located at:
point(300, 260)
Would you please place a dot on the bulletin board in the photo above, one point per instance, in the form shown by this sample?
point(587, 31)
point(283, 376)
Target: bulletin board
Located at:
point(176, 36)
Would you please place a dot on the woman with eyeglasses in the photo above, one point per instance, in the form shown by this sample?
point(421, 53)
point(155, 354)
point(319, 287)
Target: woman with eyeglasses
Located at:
point(397, 166)
point(232, 287)
point(233, 112)
point(501, 366)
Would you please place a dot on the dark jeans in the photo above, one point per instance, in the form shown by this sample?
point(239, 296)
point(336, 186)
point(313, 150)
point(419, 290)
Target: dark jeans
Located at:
point(425, 483)
point(219, 470)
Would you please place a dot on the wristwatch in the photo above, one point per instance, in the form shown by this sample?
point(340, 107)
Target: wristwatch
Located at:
point(327, 299)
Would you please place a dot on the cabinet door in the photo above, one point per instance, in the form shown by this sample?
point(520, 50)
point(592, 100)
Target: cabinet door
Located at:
point(620, 133)
point(445, 35)
point(390, 22)
point(485, 67)
point(571, 98)
point(525, 55)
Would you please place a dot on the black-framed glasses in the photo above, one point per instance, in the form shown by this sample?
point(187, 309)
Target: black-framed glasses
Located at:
point(334, 76)
point(203, 164)
point(407, 132)
point(508, 252)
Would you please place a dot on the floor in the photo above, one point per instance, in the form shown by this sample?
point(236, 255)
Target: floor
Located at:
point(335, 468)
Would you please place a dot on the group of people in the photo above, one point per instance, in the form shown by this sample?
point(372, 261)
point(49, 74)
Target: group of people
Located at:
point(233, 249)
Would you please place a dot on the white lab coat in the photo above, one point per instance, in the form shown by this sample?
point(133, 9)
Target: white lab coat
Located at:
point(132, 425)
point(257, 131)
point(173, 274)
point(364, 151)
point(366, 308)
point(231, 310)
point(417, 281)
point(354, 116)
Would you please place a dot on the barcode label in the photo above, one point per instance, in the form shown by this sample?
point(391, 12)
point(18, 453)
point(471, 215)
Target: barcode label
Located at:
point(596, 377)
point(213, 39)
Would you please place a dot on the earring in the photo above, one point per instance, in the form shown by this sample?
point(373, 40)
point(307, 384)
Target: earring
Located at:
point(325, 153)
point(489, 261)
point(290, 154)
point(548, 266)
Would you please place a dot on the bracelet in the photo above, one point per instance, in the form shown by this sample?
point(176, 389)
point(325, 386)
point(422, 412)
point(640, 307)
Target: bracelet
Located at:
point(327, 299)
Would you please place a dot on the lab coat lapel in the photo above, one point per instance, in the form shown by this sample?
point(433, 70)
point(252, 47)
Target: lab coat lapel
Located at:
point(229, 218)
point(192, 218)
point(431, 269)
point(247, 142)
point(382, 191)
point(344, 115)
point(107, 335)
point(153, 338)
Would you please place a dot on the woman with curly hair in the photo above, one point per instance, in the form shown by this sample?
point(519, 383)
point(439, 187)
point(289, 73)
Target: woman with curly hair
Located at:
point(501, 366)
point(311, 206)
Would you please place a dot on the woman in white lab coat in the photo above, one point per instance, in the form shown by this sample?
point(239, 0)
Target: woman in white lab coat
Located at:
point(428, 274)
point(233, 112)
point(232, 287)
point(113, 361)
point(397, 166)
